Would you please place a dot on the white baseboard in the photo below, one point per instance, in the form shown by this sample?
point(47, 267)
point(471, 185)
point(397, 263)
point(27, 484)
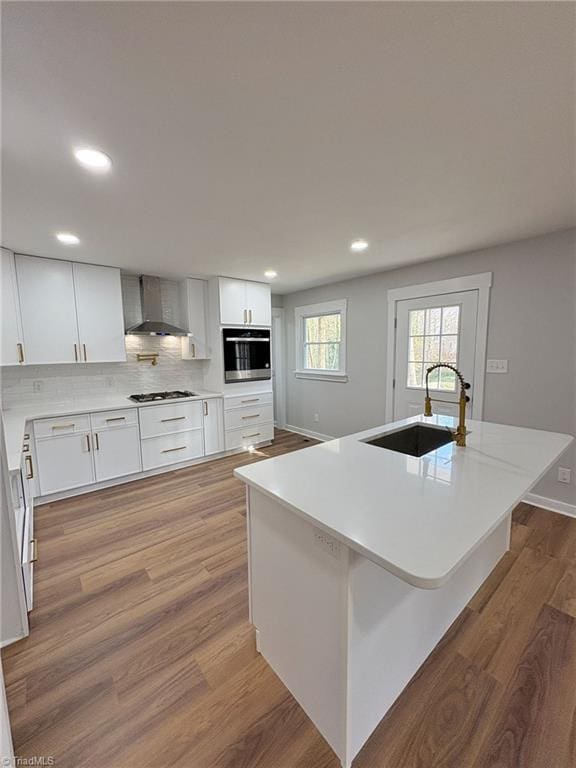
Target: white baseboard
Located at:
point(554, 506)
point(308, 433)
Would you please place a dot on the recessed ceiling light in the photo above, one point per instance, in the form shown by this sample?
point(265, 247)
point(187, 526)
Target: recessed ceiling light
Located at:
point(93, 159)
point(67, 238)
point(270, 273)
point(359, 245)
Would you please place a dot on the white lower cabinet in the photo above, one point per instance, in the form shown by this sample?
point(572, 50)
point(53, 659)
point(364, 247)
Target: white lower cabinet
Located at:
point(116, 452)
point(82, 449)
point(64, 461)
point(173, 448)
point(213, 426)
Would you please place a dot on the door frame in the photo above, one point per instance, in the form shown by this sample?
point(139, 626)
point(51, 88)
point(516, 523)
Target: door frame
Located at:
point(481, 283)
point(278, 362)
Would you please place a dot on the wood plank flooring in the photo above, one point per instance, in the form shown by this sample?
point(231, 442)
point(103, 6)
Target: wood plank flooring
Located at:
point(141, 653)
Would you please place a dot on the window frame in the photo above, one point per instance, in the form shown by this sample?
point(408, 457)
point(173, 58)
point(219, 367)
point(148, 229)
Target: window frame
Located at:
point(339, 306)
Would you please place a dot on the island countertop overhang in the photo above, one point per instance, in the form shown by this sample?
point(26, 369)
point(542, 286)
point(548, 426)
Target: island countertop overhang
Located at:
point(418, 518)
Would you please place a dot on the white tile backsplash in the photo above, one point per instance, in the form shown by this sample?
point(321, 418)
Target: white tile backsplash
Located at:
point(22, 385)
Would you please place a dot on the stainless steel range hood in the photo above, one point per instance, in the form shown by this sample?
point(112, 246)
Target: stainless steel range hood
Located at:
point(152, 323)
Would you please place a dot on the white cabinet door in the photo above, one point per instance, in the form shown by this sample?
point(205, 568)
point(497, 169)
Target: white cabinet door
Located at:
point(64, 462)
point(258, 303)
point(193, 300)
point(213, 426)
point(47, 303)
point(116, 452)
point(11, 348)
point(233, 307)
point(100, 316)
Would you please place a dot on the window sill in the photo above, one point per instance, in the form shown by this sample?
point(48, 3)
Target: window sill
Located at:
point(322, 376)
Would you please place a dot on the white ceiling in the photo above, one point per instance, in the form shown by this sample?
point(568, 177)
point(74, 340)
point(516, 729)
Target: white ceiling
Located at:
point(249, 136)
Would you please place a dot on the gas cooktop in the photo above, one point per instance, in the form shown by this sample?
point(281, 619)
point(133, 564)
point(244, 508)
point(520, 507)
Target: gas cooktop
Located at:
point(150, 396)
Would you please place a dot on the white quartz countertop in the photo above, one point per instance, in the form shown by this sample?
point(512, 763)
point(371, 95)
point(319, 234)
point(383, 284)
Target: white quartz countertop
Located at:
point(15, 418)
point(419, 518)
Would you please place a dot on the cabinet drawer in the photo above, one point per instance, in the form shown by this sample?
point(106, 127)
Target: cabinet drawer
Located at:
point(114, 419)
point(244, 438)
point(63, 425)
point(171, 449)
point(249, 416)
point(164, 419)
point(241, 401)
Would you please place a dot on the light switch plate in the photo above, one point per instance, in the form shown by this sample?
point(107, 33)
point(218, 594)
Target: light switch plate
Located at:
point(497, 366)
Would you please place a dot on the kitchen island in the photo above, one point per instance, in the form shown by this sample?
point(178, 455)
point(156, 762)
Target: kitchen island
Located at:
point(361, 557)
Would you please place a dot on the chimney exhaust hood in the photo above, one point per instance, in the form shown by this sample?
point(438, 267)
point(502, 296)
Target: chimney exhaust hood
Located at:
point(152, 323)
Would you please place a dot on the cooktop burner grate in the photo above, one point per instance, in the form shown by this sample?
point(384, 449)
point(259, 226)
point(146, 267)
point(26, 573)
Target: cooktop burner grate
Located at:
point(151, 396)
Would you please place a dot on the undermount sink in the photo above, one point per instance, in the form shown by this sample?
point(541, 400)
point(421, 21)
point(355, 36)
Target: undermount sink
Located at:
point(415, 440)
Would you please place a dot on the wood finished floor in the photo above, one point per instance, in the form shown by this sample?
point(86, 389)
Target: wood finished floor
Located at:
point(141, 653)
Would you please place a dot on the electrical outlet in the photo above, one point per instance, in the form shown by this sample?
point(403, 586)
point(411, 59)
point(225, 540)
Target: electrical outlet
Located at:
point(38, 386)
point(316, 418)
point(564, 475)
point(496, 366)
point(327, 543)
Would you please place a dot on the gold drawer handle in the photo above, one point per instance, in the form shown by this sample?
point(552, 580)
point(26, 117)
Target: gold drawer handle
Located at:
point(20, 352)
point(169, 450)
point(254, 416)
point(174, 418)
point(85, 354)
point(29, 467)
point(34, 553)
point(253, 400)
point(63, 426)
point(255, 434)
point(117, 418)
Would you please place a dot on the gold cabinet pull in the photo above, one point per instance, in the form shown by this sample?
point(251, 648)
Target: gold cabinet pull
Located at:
point(245, 316)
point(76, 352)
point(205, 407)
point(253, 416)
point(252, 400)
point(117, 418)
point(63, 426)
point(169, 450)
point(85, 354)
point(29, 467)
point(34, 553)
point(250, 321)
point(20, 348)
point(193, 346)
point(174, 418)
point(97, 441)
point(88, 443)
point(254, 434)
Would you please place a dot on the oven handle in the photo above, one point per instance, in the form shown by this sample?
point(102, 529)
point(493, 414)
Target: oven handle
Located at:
point(239, 338)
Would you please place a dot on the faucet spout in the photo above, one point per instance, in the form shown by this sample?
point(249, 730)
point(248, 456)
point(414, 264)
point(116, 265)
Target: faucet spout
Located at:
point(460, 433)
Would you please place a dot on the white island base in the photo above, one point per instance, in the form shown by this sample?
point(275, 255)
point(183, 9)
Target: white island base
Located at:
point(343, 634)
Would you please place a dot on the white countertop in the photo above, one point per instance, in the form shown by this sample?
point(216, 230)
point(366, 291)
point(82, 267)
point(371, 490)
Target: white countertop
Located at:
point(15, 418)
point(417, 517)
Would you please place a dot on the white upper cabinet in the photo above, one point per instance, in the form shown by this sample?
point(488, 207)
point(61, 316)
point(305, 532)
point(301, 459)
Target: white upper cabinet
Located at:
point(232, 301)
point(243, 302)
point(259, 303)
point(11, 341)
point(48, 310)
point(100, 317)
point(193, 300)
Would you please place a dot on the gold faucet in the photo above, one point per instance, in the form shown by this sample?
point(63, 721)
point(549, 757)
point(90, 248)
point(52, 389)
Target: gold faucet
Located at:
point(460, 433)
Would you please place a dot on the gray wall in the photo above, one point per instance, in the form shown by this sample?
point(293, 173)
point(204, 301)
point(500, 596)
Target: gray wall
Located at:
point(532, 323)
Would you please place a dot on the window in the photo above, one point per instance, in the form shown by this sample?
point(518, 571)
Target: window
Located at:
point(321, 340)
point(433, 338)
